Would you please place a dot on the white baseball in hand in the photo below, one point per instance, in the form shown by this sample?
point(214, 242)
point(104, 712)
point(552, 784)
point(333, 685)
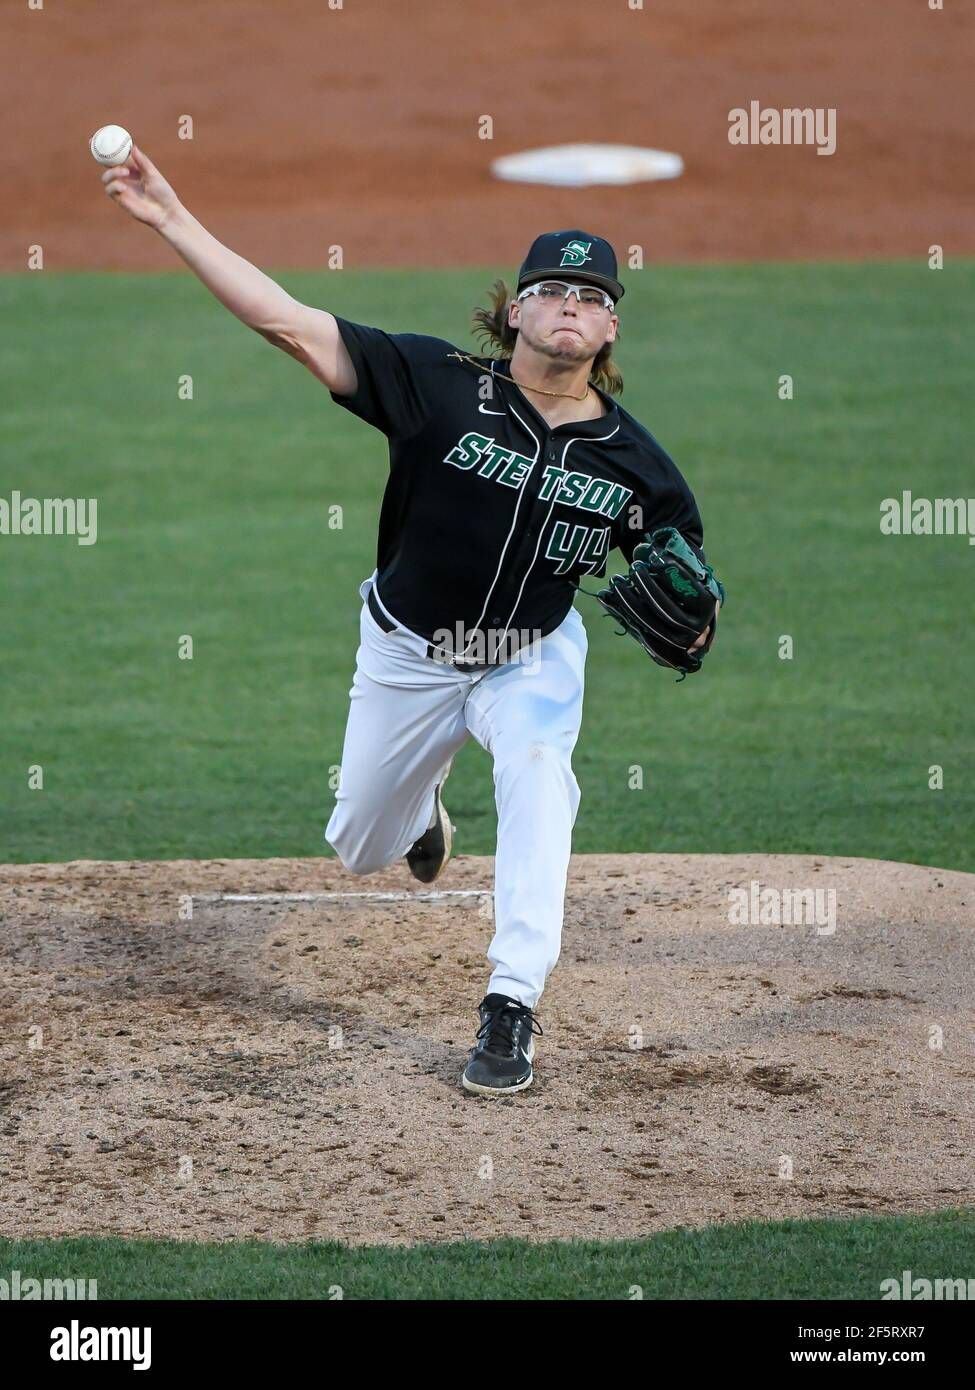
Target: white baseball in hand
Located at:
point(111, 145)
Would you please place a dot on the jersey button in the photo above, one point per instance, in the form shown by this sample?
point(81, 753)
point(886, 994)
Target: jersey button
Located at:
point(496, 620)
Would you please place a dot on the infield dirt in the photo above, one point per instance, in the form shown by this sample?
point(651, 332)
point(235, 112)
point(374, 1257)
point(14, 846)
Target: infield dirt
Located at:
point(359, 127)
point(291, 1071)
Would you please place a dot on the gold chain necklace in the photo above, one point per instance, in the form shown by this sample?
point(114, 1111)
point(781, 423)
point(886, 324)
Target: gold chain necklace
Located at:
point(564, 395)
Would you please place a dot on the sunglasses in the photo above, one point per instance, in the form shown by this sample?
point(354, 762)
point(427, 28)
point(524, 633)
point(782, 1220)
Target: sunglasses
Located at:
point(551, 291)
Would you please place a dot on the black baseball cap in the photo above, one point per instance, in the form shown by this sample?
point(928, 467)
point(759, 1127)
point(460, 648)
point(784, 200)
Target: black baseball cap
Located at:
point(582, 255)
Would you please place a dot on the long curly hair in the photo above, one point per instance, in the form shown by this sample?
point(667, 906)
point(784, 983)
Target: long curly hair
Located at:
point(492, 329)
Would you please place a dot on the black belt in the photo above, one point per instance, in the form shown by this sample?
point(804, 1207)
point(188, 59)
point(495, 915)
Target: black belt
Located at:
point(434, 653)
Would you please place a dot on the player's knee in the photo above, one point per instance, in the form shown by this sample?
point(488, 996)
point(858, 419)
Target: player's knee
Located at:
point(540, 767)
point(360, 859)
point(362, 863)
point(534, 753)
point(358, 856)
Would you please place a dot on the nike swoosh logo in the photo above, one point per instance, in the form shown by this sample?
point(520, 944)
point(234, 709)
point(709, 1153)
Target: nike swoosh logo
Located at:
point(483, 411)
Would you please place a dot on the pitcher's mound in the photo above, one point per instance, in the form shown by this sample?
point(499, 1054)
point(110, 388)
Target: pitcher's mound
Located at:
point(179, 1065)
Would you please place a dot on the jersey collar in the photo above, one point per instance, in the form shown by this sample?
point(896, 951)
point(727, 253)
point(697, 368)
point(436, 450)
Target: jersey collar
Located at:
point(603, 424)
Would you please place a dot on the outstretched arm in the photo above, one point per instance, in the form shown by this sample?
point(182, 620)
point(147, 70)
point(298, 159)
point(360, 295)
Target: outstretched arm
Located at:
point(308, 334)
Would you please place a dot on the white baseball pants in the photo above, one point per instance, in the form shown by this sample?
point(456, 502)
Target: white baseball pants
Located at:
point(408, 717)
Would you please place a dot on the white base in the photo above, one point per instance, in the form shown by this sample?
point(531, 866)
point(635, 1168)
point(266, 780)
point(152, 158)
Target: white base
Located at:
point(577, 166)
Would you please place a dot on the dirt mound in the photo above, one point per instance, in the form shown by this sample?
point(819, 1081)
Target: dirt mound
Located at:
point(290, 1070)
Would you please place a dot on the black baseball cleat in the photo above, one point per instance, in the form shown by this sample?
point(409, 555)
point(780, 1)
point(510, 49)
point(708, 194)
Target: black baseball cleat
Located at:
point(501, 1060)
point(428, 857)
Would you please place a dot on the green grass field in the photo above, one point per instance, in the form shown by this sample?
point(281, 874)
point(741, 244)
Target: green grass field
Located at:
point(213, 521)
point(781, 1260)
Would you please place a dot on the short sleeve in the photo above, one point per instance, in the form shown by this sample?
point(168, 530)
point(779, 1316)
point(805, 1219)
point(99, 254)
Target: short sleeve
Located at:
point(393, 387)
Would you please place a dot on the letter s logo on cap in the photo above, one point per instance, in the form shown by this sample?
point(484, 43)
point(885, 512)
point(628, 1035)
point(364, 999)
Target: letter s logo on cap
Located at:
point(576, 253)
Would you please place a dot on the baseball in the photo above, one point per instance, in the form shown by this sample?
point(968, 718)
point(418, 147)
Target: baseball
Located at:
point(110, 145)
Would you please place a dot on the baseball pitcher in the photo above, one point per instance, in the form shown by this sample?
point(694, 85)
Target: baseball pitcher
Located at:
point(511, 478)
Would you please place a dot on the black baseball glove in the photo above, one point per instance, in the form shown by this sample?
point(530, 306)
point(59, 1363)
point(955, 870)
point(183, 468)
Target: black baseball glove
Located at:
point(665, 600)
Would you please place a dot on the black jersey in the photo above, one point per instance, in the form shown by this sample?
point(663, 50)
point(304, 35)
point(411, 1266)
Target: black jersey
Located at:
point(490, 516)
